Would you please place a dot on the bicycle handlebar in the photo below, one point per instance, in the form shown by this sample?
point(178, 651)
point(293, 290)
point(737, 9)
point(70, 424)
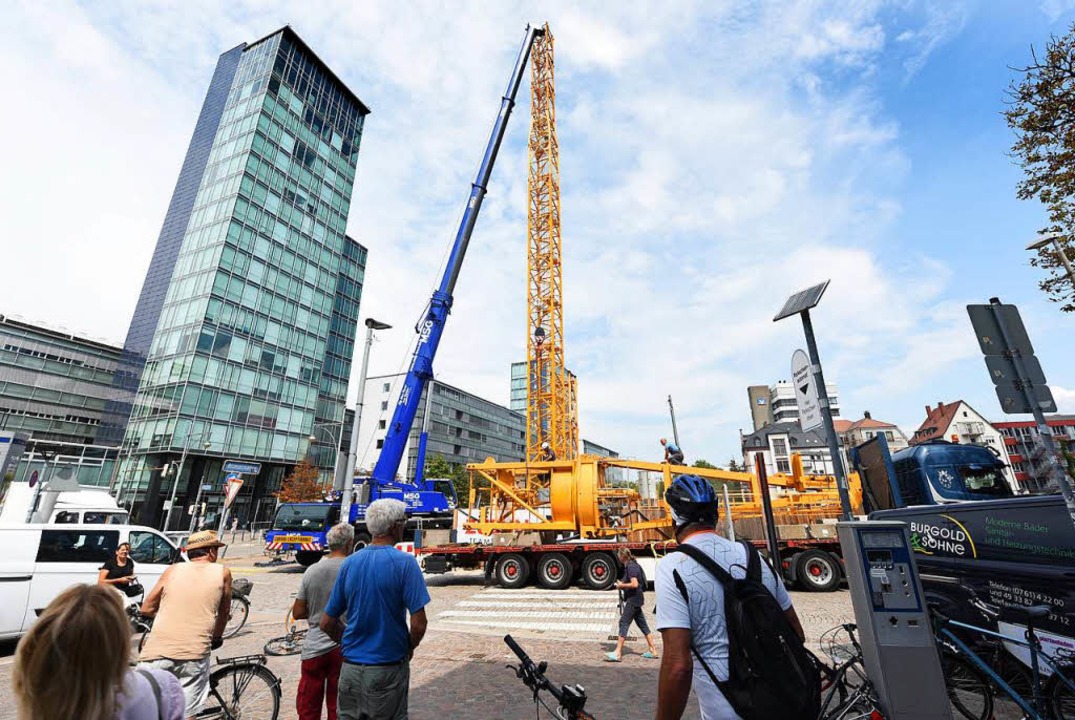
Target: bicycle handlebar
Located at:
point(570, 699)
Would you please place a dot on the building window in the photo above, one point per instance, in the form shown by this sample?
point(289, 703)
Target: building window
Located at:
point(783, 466)
point(780, 446)
point(382, 424)
point(384, 406)
point(380, 444)
point(386, 387)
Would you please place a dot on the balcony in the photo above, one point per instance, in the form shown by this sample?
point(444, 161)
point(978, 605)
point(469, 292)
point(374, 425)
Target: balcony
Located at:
point(971, 429)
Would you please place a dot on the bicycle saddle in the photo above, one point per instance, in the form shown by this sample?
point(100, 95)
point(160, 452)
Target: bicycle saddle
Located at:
point(1024, 613)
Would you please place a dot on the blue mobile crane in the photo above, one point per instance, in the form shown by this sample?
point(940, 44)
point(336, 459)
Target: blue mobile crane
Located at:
point(301, 527)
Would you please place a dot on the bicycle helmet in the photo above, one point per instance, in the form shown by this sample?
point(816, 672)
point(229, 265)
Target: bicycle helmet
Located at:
point(692, 499)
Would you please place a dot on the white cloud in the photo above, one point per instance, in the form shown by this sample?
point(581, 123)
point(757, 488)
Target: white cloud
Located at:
point(715, 158)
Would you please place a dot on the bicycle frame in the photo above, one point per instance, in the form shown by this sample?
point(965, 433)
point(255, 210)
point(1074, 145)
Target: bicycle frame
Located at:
point(1035, 711)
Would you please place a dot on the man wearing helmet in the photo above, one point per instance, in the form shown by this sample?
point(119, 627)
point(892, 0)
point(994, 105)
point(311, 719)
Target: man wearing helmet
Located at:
point(701, 622)
point(672, 454)
point(547, 454)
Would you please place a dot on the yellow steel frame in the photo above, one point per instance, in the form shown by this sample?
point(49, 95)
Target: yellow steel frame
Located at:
point(572, 496)
point(550, 399)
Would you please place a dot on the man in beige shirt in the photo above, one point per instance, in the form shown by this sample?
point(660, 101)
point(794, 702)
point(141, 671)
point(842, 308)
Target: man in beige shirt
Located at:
point(191, 602)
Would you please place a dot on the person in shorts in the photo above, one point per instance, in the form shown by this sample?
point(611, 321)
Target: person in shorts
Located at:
point(190, 603)
point(633, 587)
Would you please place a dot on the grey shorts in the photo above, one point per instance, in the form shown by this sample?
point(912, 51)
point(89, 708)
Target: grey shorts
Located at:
point(193, 678)
point(373, 692)
point(633, 613)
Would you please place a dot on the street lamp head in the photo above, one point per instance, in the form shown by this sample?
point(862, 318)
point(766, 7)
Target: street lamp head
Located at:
point(1044, 239)
point(207, 445)
point(376, 324)
point(313, 438)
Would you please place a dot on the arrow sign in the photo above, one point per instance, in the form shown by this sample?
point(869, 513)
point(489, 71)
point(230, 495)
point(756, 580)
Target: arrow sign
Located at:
point(802, 377)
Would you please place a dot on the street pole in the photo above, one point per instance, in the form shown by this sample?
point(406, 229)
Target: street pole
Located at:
point(1029, 395)
point(175, 483)
point(675, 431)
point(352, 453)
point(826, 417)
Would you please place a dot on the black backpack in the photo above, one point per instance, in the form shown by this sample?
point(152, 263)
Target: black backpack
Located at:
point(771, 674)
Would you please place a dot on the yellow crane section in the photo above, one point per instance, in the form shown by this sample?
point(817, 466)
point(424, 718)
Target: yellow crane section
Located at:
point(551, 415)
point(574, 497)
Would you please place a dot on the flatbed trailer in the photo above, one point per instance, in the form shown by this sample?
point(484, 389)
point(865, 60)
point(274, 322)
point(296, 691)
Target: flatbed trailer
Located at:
point(812, 564)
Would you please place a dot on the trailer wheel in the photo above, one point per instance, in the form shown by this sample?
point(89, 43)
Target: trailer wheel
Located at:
point(599, 571)
point(306, 558)
point(512, 571)
point(817, 571)
point(362, 540)
point(554, 571)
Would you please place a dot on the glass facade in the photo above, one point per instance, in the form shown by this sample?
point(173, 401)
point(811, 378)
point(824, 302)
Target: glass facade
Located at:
point(256, 332)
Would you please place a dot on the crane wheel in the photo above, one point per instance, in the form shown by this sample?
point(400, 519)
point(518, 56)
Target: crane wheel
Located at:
point(512, 571)
point(599, 571)
point(554, 571)
point(817, 571)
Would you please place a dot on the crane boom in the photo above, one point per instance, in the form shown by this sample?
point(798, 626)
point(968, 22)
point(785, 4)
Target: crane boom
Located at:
point(431, 327)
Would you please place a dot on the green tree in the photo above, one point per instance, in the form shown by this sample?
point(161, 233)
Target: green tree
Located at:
point(438, 467)
point(734, 466)
point(1041, 111)
point(704, 464)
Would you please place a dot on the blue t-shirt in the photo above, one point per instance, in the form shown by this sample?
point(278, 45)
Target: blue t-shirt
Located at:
point(375, 589)
point(672, 448)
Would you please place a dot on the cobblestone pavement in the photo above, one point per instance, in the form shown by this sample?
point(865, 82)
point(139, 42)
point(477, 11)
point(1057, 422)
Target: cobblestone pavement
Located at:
point(459, 669)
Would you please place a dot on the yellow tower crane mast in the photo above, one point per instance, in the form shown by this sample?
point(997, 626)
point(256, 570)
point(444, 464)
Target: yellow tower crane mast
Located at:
point(551, 413)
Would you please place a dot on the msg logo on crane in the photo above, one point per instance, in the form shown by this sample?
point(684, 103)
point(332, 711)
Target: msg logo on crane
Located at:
point(948, 537)
point(425, 331)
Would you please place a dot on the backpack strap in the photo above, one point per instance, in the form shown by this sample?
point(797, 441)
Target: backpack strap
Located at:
point(753, 561)
point(156, 691)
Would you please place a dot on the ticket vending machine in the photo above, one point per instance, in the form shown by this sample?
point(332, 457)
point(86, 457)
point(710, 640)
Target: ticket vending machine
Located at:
point(898, 646)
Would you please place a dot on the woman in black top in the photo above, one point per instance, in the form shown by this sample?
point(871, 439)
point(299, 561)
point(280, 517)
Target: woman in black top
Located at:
point(118, 572)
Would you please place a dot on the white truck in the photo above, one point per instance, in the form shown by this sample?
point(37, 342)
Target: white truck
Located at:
point(61, 503)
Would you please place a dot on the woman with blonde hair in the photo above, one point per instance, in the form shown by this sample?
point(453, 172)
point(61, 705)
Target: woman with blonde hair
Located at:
point(74, 665)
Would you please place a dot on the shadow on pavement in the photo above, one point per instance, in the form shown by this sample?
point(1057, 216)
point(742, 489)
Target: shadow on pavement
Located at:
point(483, 689)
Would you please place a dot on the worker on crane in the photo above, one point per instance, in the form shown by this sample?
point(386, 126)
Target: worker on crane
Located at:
point(672, 454)
point(547, 454)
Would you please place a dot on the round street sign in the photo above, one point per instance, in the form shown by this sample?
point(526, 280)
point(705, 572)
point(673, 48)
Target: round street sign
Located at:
point(33, 478)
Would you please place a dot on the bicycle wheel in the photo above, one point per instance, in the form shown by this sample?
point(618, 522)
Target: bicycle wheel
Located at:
point(968, 690)
point(240, 609)
point(244, 691)
point(286, 645)
point(1061, 696)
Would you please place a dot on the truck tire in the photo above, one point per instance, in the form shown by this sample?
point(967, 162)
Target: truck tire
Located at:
point(512, 571)
point(817, 571)
point(362, 539)
point(554, 571)
point(306, 558)
point(598, 571)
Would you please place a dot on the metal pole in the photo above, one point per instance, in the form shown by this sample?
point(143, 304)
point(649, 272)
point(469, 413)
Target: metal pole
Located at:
point(675, 431)
point(37, 488)
point(423, 439)
point(1039, 417)
point(175, 483)
point(339, 445)
point(1064, 259)
point(826, 417)
point(767, 510)
point(352, 453)
point(194, 516)
point(728, 514)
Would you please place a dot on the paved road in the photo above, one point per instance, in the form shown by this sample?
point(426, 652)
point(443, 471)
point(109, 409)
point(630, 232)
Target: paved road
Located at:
point(459, 670)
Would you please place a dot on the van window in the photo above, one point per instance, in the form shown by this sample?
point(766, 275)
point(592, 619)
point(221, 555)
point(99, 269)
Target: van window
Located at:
point(105, 518)
point(66, 517)
point(78, 546)
point(147, 547)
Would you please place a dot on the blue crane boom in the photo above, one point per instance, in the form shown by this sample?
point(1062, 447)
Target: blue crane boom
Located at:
point(431, 327)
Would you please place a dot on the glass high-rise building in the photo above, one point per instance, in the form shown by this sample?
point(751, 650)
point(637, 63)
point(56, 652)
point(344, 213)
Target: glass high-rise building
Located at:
point(253, 330)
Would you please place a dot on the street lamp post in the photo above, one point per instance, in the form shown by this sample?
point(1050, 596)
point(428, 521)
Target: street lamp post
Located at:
point(1054, 237)
point(352, 453)
point(179, 472)
point(198, 498)
point(337, 439)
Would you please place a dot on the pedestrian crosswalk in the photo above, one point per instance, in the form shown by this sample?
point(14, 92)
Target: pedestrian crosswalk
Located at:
point(553, 612)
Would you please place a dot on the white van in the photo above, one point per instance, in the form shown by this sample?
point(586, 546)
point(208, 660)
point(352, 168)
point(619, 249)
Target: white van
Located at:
point(39, 561)
point(89, 505)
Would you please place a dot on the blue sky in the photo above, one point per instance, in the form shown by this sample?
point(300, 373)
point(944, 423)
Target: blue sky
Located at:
point(715, 156)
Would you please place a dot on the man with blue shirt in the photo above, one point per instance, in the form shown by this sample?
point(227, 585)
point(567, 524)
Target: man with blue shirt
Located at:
point(672, 454)
point(375, 590)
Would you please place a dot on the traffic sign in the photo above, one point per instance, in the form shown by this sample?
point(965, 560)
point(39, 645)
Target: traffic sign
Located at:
point(234, 483)
point(1002, 369)
point(990, 338)
point(802, 377)
point(33, 478)
point(206, 487)
point(1013, 400)
point(243, 468)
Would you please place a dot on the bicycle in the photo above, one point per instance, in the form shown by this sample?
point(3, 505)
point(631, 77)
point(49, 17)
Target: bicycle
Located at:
point(571, 700)
point(290, 644)
point(1052, 699)
point(240, 606)
point(846, 691)
point(244, 688)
